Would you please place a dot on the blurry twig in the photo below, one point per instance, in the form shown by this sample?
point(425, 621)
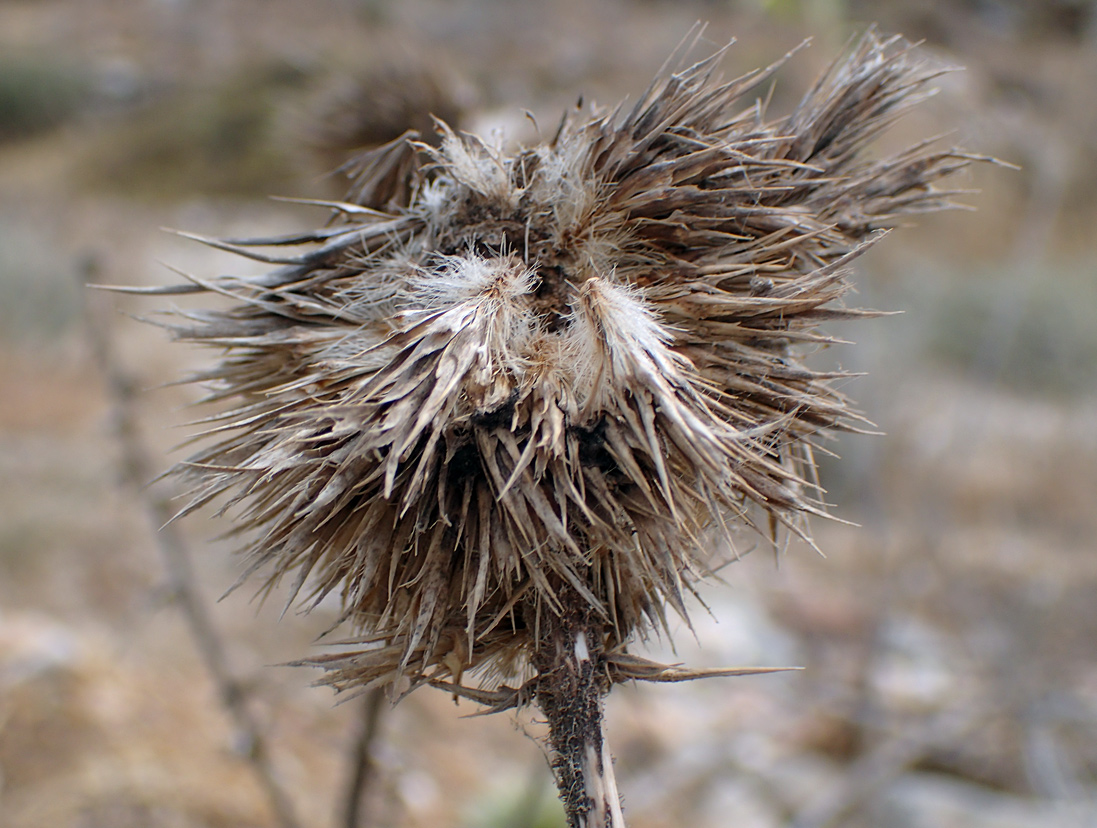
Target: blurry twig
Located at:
point(883, 764)
point(1051, 771)
point(182, 581)
point(903, 745)
point(362, 764)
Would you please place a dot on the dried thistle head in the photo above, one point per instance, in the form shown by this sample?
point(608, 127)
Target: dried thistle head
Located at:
point(377, 103)
point(495, 378)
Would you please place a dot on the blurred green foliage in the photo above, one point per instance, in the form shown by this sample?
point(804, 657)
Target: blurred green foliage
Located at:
point(39, 294)
point(37, 95)
point(1030, 331)
point(532, 805)
point(220, 140)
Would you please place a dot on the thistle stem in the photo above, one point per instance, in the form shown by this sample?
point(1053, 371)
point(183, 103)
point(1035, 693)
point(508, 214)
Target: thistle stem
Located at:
point(572, 684)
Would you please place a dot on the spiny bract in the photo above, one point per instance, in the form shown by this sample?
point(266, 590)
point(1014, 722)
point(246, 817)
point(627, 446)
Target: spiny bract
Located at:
point(493, 377)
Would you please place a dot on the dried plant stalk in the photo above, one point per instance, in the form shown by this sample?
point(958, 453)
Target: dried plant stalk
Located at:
point(572, 683)
point(509, 406)
point(137, 465)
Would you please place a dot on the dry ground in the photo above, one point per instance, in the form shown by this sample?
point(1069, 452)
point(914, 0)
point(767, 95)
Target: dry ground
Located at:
point(950, 676)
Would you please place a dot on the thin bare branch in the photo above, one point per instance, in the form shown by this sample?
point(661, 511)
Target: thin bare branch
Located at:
point(182, 581)
point(363, 766)
point(883, 764)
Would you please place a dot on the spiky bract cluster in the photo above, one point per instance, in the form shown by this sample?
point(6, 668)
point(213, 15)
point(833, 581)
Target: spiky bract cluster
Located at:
point(496, 377)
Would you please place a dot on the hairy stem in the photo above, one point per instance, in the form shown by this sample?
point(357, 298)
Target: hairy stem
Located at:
point(572, 684)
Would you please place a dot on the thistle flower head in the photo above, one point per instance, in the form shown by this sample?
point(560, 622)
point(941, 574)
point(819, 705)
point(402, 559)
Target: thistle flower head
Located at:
point(496, 377)
point(377, 102)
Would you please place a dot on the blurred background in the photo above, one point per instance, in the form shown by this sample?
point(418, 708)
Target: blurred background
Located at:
point(948, 640)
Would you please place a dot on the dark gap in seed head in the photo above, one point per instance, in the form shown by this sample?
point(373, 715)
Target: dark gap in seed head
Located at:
point(500, 415)
point(463, 464)
point(592, 449)
point(552, 297)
